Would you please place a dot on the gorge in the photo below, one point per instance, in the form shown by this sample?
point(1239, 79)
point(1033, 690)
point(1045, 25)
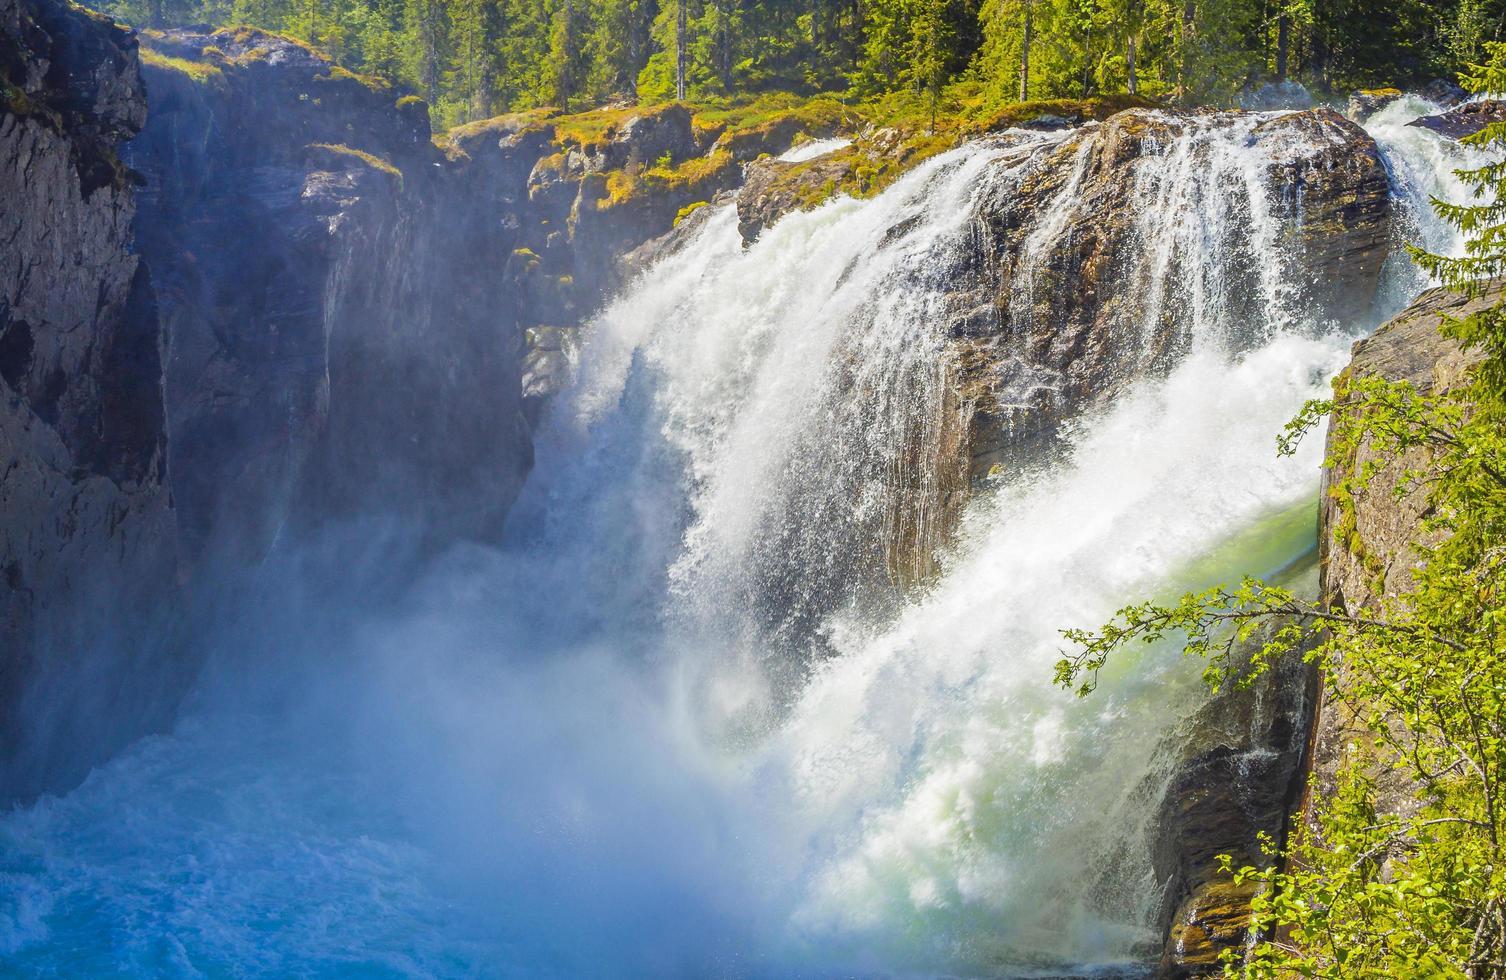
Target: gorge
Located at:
point(487, 557)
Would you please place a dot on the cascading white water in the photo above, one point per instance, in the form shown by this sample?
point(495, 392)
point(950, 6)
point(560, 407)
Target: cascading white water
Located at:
point(683, 724)
point(1422, 167)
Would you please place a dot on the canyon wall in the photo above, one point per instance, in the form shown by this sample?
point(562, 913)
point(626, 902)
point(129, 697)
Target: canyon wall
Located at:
point(87, 546)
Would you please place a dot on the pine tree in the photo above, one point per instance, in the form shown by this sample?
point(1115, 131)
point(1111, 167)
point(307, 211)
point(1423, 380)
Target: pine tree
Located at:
point(928, 51)
point(426, 32)
point(567, 69)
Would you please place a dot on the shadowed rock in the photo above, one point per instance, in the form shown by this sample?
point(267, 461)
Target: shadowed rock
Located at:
point(87, 659)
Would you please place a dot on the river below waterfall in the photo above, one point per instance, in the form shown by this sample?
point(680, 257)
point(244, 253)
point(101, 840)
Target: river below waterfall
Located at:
point(668, 729)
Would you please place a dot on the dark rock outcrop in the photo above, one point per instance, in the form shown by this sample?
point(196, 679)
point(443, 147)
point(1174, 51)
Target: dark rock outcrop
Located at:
point(1364, 103)
point(774, 188)
point(1443, 92)
point(1238, 776)
point(1464, 120)
point(582, 194)
point(86, 539)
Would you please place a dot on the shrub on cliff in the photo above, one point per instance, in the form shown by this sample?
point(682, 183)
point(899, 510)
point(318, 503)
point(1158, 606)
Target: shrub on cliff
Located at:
point(1367, 890)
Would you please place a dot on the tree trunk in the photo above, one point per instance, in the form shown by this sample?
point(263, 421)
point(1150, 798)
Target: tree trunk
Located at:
point(1189, 33)
point(1087, 60)
point(680, 50)
point(1025, 54)
point(1283, 45)
point(725, 54)
point(1129, 47)
point(430, 30)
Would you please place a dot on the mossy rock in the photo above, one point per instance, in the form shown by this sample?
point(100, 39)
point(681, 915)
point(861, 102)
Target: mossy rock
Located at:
point(200, 71)
point(349, 154)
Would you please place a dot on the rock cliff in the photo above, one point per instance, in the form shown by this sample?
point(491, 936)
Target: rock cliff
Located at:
point(341, 338)
point(1366, 542)
point(244, 292)
point(1070, 297)
point(86, 544)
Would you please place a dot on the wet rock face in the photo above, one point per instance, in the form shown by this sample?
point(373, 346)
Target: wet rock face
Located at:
point(1443, 91)
point(1075, 290)
point(1464, 120)
point(340, 341)
point(1238, 775)
point(86, 538)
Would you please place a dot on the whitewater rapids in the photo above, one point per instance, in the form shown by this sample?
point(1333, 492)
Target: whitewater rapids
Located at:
point(666, 730)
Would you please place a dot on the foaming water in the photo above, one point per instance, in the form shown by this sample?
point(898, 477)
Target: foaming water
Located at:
point(683, 724)
point(811, 149)
point(1422, 167)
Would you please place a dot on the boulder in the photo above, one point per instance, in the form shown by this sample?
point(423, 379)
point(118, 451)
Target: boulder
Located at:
point(1364, 104)
point(1464, 120)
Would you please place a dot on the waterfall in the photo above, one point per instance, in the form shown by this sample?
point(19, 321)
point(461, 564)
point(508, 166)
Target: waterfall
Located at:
point(760, 684)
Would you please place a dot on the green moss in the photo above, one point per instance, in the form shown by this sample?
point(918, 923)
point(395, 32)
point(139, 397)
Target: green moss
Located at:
point(553, 164)
point(246, 35)
point(409, 101)
point(18, 103)
point(199, 71)
point(372, 82)
point(688, 210)
point(591, 130)
point(370, 159)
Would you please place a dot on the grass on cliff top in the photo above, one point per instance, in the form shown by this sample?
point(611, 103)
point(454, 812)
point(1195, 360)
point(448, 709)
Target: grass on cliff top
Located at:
point(451, 143)
point(370, 159)
point(688, 180)
point(891, 135)
point(245, 34)
point(373, 82)
point(199, 71)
